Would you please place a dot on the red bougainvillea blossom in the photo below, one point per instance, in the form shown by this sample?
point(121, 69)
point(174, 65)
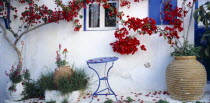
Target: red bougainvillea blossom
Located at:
point(127, 43)
point(120, 33)
point(144, 26)
point(127, 3)
point(36, 14)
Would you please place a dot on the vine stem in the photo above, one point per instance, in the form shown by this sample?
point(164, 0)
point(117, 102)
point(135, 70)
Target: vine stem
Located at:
point(190, 21)
point(14, 46)
point(25, 32)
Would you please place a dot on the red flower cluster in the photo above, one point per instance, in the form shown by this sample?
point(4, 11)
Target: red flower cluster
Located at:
point(120, 33)
point(144, 26)
point(24, 1)
point(128, 45)
point(36, 14)
point(127, 3)
point(143, 48)
point(174, 17)
point(120, 15)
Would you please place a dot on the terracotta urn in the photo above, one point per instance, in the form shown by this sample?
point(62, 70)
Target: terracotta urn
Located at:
point(62, 72)
point(186, 78)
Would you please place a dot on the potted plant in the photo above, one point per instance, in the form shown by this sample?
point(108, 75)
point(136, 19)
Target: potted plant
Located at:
point(185, 76)
point(14, 86)
point(69, 88)
point(63, 69)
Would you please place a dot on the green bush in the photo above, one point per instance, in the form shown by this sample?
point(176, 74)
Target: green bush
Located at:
point(15, 76)
point(109, 101)
point(129, 99)
point(65, 101)
point(51, 102)
point(12, 87)
point(27, 75)
point(32, 90)
point(46, 81)
point(162, 101)
point(78, 81)
point(199, 102)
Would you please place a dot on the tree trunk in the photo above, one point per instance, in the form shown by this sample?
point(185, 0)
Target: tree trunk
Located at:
point(14, 46)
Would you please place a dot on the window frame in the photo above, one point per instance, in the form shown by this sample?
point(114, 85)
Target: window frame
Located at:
point(102, 18)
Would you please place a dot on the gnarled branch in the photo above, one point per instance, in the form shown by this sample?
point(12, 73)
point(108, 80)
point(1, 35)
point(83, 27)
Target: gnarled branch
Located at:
point(23, 33)
point(14, 46)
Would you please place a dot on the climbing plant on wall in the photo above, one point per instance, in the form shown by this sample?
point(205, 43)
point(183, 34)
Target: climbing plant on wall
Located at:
point(127, 43)
point(36, 16)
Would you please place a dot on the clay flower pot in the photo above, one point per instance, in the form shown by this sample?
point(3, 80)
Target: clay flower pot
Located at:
point(61, 72)
point(186, 78)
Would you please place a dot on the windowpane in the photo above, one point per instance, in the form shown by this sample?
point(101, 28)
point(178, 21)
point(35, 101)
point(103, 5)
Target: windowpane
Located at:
point(94, 15)
point(110, 20)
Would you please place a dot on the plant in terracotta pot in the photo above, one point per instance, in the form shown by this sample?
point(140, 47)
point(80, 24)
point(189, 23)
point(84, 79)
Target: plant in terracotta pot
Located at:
point(185, 76)
point(63, 69)
point(69, 88)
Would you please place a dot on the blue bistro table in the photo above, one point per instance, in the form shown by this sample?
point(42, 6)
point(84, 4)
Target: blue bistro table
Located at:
point(105, 78)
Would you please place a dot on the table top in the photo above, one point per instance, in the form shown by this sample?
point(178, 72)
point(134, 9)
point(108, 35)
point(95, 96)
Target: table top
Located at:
point(102, 60)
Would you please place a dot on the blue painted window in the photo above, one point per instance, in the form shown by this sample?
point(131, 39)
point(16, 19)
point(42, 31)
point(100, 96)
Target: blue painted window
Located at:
point(98, 18)
point(155, 7)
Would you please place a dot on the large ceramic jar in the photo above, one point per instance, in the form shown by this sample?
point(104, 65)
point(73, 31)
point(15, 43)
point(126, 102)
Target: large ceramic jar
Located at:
point(186, 78)
point(61, 72)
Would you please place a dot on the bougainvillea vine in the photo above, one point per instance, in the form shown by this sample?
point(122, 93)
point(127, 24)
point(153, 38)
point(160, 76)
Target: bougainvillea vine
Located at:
point(127, 43)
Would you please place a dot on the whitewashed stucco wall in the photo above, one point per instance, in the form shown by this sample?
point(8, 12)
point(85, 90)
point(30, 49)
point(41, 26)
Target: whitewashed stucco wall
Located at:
point(128, 74)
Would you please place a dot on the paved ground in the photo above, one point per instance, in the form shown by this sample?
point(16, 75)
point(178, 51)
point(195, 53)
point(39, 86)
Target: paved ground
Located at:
point(138, 96)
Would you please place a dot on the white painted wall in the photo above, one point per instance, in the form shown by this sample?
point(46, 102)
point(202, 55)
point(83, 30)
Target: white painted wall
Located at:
point(128, 74)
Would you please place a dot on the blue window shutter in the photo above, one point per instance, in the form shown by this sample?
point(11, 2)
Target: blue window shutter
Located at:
point(154, 9)
point(85, 18)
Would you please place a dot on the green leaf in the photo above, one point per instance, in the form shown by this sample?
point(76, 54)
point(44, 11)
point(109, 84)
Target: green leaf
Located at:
point(199, 19)
point(196, 13)
point(80, 16)
point(207, 33)
point(207, 3)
